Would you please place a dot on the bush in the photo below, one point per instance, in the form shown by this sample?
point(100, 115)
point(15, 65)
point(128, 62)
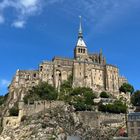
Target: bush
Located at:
point(23, 118)
point(14, 111)
point(82, 98)
point(116, 107)
point(3, 98)
point(43, 91)
point(126, 88)
point(104, 95)
point(44, 125)
point(135, 98)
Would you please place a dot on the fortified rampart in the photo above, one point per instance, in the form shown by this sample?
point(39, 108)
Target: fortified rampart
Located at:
point(90, 118)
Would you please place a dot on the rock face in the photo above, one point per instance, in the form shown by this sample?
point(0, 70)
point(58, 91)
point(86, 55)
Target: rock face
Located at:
point(55, 124)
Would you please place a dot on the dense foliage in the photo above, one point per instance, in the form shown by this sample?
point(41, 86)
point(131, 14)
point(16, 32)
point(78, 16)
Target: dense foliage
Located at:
point(116, 107)
point(104, 95)
point(43, 91)
point(82, 98)
point(65, 89)
point(126, 88)
point(3, 99)
point(135, 98)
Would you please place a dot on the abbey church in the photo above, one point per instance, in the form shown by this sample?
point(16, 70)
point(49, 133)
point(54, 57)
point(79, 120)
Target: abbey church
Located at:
point(89, 70)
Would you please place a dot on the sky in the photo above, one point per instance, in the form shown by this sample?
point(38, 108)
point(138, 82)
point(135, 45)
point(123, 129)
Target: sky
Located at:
point(35, 30)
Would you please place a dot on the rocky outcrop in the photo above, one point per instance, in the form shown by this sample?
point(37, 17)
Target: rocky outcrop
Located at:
point(55, 124)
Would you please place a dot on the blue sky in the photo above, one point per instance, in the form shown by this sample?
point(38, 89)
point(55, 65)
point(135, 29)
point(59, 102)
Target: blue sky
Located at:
point(36, 30)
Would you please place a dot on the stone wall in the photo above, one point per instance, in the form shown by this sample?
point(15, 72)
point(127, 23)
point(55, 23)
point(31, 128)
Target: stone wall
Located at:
point(96, 119)
point(28, 110)
point(11, 122)
point(38, 106)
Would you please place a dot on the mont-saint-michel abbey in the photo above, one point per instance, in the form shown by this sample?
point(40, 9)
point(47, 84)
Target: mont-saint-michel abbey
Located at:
point(90, 70)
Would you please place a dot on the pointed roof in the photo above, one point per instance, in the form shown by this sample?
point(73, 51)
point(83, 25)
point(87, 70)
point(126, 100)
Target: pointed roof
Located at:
point(80, 35)
point(80, 42)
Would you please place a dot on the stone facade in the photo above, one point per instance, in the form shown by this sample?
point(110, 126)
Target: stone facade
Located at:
point(133, 125)
point(90, 70)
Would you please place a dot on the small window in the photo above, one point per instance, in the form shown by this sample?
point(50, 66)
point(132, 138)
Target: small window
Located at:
point(83, 50)
point(131, 124)
point(132, 131)
point(41, 68)
point(139, 132)
point(34, 75)
point(138, 124)
point(78, 50)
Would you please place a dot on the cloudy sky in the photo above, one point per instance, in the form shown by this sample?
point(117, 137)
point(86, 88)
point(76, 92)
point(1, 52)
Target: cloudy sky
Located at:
point(36, 30)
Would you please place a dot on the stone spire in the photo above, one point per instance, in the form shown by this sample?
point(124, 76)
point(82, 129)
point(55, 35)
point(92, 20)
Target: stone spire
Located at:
point(80, 35)
point(80, 42)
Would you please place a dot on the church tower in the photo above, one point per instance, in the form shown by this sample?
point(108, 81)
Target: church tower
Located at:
point(80, 51)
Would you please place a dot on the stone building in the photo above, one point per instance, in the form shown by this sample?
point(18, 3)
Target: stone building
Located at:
point(133, 125)
point(90, 70)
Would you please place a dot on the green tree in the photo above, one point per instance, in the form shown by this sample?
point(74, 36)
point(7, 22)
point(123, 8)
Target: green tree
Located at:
point(3, 99)
point(104, 95)
point(82, 98)
point(43, 91)
point(126, 88)
point(65, 89)
point(135, 98)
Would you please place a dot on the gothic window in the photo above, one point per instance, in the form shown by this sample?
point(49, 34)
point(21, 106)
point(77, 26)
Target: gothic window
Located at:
point(83, 50)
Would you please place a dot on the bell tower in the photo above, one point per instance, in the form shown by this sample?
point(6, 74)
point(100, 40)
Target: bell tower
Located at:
point(80, 51)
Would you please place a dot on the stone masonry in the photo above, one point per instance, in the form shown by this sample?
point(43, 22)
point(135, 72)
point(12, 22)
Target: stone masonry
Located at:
point(90, 70)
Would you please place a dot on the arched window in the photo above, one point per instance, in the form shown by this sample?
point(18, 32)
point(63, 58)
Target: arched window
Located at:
point(41, 68)
point(78, 50)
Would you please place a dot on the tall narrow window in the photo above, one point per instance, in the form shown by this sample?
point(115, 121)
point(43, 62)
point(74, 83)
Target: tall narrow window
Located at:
point(78, 50)
point(83, 50)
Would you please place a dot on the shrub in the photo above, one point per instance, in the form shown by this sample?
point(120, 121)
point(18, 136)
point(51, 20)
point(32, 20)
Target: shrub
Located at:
point(43, 91)
point(126, 88)
point(44, 125)
point(104, 95)
point(116, 107)
point(23, 118)
point(135, 98)
point(14, 111)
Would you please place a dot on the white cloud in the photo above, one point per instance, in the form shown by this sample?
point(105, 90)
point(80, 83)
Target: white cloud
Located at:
point(99, 12)
point(1, 19)
point(4, 83)
point(18, 24)
point(24, 9)
point(28, 3)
